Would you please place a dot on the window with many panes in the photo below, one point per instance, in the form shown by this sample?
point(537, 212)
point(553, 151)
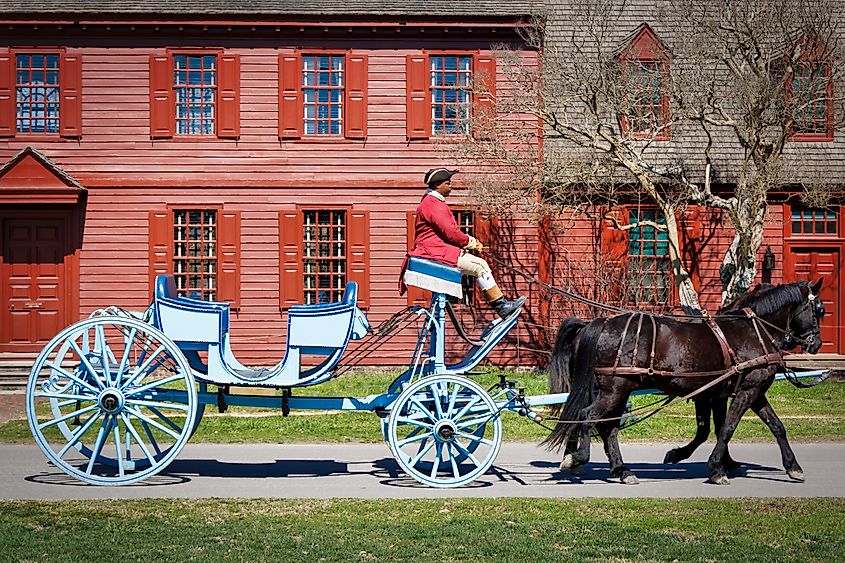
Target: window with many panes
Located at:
point(451, 93)
point(814, 221)
point(37, 91)
point(812, 102)
point(195, 252)
point(195, 89)
point(466, 223)
point(324, 255)
point(647, 111)
point(322, 92)
point(648, 258)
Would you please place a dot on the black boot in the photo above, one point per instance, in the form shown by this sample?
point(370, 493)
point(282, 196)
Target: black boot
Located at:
point(506, 306)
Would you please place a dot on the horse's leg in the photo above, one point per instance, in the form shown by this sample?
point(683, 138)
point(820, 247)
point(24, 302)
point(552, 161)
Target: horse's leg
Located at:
point(569, 451)
point(609, 432)
point(720, 408)
point(702, 431)
point(767, 414)
point(579, 440)
point(715, 464)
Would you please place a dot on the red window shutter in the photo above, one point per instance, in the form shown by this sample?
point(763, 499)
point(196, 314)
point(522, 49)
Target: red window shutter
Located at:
point(229, 97)
point(418, 97)
point(356, 97)
point(229, 258)
point(485, 85)
point(8, 97)
point(614, 243)
point(416, 296)
point(485, 231)
point(70, 88)
point(161, 97)
point(291, 282)
point(290, 96)
point(358, 254)
point(160, 242)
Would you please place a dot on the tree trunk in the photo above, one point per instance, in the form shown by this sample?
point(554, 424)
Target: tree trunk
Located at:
point(739, 266)
point(687, 295)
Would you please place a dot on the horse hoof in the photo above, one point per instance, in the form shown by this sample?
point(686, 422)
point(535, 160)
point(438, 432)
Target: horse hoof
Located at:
point(566, 462)
point(796, 475)
point(720, 480)
point(630, 480)
point(671, 457)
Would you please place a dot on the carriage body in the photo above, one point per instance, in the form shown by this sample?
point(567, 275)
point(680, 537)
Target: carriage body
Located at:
point(112, 399)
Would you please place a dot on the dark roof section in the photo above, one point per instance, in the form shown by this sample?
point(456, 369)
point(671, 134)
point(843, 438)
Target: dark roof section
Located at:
point(253, 8)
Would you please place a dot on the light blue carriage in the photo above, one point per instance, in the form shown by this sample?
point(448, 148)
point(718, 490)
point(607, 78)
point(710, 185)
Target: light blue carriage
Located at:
point(112, 399)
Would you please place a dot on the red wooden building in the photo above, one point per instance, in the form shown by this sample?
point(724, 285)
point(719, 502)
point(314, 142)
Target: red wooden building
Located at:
point(265, 154)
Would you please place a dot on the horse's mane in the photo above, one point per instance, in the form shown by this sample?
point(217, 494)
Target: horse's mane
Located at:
point(765, 299)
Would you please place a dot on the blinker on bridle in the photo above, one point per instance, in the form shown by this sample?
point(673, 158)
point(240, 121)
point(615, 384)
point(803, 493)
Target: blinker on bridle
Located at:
point(805, 339)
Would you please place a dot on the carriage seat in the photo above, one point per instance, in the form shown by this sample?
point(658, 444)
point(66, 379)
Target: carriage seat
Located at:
point(187, 320)
point(433, 276)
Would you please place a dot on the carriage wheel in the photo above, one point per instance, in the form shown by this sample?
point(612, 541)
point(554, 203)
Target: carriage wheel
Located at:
point(111, 400)
point(444, 430)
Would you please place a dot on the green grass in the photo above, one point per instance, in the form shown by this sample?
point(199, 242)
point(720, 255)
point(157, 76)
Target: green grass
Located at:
point(477, 530)
point(808, 414)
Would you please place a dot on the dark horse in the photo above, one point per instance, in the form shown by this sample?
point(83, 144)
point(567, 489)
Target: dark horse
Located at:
point(736, 353)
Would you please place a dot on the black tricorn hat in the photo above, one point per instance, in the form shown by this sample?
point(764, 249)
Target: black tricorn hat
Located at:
point(437, 175)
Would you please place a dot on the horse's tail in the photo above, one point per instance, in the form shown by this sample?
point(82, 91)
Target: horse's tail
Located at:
point(576, 370)
point(563, 357)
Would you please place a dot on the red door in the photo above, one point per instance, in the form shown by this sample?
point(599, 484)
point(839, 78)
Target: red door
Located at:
point(811, 263)
point(34, 278)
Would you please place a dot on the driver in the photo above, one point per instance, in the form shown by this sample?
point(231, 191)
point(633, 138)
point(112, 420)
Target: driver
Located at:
point(437, 237)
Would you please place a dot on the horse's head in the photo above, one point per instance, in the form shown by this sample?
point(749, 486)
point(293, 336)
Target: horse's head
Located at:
point(804, 326)
point(794, 308)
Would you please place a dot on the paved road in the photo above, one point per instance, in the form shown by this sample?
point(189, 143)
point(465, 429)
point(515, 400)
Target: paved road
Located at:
point(369, 471)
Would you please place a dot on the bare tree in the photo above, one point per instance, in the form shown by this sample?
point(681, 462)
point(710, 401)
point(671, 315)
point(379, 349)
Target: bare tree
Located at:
point(586, 128)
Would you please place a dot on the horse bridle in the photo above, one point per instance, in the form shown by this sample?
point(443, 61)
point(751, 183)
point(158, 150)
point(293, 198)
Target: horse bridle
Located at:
point(807, 338)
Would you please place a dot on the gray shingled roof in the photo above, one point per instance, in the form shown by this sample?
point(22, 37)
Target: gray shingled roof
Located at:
point(275, 7)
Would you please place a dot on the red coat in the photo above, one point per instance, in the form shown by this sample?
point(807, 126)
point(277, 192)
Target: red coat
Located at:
point(436, 234)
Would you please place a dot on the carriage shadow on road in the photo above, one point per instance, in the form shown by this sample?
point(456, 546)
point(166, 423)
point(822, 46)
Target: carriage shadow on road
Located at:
point(388, 473)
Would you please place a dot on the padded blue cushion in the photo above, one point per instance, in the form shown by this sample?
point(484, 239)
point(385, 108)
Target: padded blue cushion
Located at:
point(434, 269)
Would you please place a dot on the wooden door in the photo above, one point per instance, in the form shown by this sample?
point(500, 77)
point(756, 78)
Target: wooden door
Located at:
point(811, 263)
point(34, 279)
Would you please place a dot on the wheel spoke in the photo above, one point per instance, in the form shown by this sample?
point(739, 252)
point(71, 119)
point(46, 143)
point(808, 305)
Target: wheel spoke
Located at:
point(422, 452)
point(436, 465)
point(79, 432)
point(455, 472)
point(154, 384)
point(474, 438)
point(435, 393)
point(412, 439)
point(467, 453)
point(474, 422)
point(100, 340)
point(172, 424)
point(455, 390)
point(117, 448)
point(152, 438)
point(141, 372)
point(65, 417)
point(124, 361)
point(73, 378)
point(415, 422)
point(105, 427)
point(85, 362)
point(69, 396)
point(466, 408)
point(157, 404)
point(131, 430)
point(423, 408)
point(152, 422)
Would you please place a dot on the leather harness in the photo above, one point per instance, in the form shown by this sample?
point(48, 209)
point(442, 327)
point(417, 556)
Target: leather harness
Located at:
point(731, 365)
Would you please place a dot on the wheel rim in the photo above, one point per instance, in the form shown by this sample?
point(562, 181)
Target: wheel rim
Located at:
point(111, 400)
point(445, 431)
